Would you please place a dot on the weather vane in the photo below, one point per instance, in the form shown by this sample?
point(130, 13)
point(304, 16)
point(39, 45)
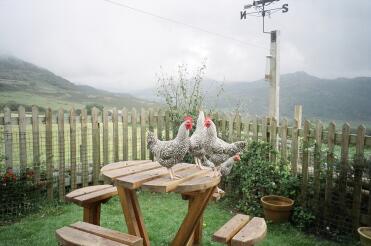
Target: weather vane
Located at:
point(262, 10)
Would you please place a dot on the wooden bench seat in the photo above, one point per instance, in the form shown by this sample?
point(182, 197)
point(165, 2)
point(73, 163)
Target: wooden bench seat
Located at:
point(91, 198)
point(81, 233)
point(241, 230)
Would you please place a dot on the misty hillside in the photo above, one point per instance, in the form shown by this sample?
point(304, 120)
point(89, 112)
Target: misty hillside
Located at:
point(328, 99)
point(24, 83)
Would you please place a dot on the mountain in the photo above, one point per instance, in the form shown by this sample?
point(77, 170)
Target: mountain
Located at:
point(24, 83)
point(328, 99)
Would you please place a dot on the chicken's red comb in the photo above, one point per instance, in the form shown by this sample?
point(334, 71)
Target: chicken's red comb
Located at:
point(188, 118)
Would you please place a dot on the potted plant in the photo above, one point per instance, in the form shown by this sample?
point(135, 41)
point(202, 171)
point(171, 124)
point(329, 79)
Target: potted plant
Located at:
point(277, 208)
point(365, 235)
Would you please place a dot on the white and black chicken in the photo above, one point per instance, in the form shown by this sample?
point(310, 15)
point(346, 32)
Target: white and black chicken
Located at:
point(170, 153)
point(197, 149)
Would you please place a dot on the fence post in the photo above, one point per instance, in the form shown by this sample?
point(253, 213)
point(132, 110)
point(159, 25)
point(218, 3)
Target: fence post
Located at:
point(255, 129)
point(358, 170)
point(151, 128)
point(330, 167)
point(105, 137)
point(298, 115)
point(294, 148)
point(115, 135)
point(224, 124)
point(95, 143)
point(73, 148)
point(49, 152)
point(167, 125)
point(134, 138)
point(143, 134)
point(273, 137)
point(265, 129)
point(231, 128)
point(283, 133)
point(61, 176)
point(83, 148)
point(304, 184)
point(125, 135)
point(36, 143)
point(238, 126)
point(160, 125)
point(344, 166)
point(22, 140)
point(317, 164)
point(8, 137)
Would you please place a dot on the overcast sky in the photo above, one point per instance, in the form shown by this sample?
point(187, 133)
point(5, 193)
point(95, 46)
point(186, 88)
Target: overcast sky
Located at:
point(107, 46)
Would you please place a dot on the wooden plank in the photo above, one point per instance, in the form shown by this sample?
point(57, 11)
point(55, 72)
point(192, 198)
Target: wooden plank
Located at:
point(143, 134)
point(134, 135)
point(86, 190)
point(298, 115)
point(167, 125)
point(255, 132)
point(113, 174)
point(95, 143)
point(330, 168)
point(133, 215)
point(108, 233)
point(264, 129)
point(61, 152)
point(358, 170)
point(135, 181)
point(84, 148)
point(121, 164)
point(166, 184)
point(192, 218)
point(304, 183)
point(71, 236)
point(273, 137)
point(230, 229)
point(254, 232)
point(317, 165)
point(49, 152)
point(238, 127)
point(36, 143)
point(294, 149)
point(105, 137)
point(231, 135)
point(283, 146)
point(151, 128)
point(8, 137)
point(224, 126)
point(344, 166)
point(93, 197)
point(22, 139)
point(198, 183)
point(73, 157)
point(115, 138)
point(125, 134)
point(160, 124)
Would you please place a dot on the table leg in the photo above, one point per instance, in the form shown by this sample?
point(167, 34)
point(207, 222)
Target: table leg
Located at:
point(92, 214)
point(133, 214)
point(195, 212)
point(196, 237)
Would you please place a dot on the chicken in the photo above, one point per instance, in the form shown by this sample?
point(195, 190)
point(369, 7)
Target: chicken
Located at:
point(217, 150)
point(226, 167)
point(197, 149)
point(170, 153)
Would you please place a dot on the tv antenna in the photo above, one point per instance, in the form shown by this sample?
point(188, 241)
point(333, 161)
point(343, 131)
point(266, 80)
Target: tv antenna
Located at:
point(263, 8)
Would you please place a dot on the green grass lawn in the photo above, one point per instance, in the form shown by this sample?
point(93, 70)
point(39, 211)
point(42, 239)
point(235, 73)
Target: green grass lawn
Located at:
point(163, 213)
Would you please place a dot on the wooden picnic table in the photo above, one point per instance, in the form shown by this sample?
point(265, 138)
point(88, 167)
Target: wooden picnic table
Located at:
point(194, 183)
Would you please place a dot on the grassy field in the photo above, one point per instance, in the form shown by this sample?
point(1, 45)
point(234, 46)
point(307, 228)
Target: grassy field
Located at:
point(163, 213)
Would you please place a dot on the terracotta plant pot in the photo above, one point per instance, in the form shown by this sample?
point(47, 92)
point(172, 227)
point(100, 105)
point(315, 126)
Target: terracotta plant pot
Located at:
point(365, 235)
point(277, 208)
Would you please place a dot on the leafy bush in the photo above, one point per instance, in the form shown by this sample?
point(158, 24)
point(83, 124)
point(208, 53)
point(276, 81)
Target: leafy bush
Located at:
point(255, 176)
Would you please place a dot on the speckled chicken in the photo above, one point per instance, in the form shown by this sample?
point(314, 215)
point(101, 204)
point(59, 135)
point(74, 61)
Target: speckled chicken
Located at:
point(226, 167)
point(197, 149)
point(217, 150)
point(170, 153)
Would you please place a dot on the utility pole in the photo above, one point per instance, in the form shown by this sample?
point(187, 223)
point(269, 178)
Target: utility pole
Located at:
point(263, 9)
point(274, 78)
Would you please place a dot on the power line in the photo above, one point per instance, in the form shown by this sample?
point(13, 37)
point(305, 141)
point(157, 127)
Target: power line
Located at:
point(184, 24)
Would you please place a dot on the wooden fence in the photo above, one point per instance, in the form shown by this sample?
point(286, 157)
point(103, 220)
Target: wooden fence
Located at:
point(68, 149)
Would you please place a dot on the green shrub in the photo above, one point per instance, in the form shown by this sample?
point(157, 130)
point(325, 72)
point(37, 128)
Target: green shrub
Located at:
point(255, 176)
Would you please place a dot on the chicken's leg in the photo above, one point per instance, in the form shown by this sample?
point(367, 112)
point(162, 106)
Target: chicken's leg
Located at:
point(172, 174)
